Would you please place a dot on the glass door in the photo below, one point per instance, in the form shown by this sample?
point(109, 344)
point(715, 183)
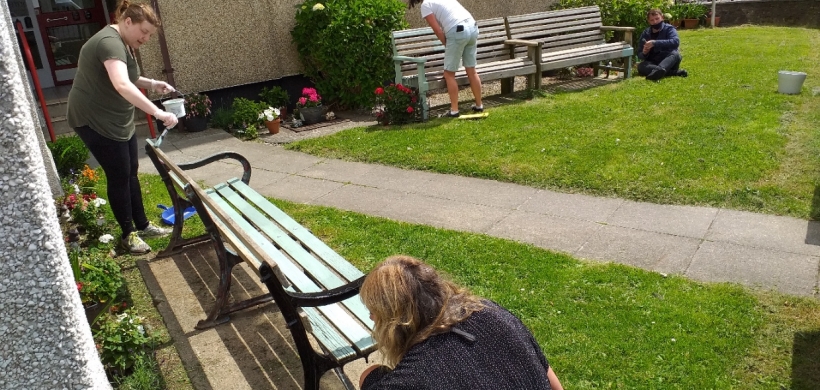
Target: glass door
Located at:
point(67, 25)
point(23, 11)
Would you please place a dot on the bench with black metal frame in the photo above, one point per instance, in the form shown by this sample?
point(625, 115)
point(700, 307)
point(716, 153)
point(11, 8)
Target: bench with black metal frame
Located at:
point(315, 289)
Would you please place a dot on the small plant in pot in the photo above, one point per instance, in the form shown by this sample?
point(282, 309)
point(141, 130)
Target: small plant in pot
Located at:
point(691, 14)
point(271, 118)
point(197, 109)
point(310, 107)
point(276, 97)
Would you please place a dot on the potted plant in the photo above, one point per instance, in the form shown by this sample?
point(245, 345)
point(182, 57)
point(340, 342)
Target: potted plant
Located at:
point(672, 17)
point(691, 14)
point(276, 97)
point(271, 117)
point(197, 108)
point(310, 107)
point(246, 117)
point(708, 21)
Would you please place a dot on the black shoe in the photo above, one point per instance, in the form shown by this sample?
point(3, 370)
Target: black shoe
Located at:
point(477, 108)
point(682, 73)
point(656, 74)
point(451, 114)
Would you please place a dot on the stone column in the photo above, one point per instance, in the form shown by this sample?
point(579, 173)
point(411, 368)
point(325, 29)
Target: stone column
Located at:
point(46, 341)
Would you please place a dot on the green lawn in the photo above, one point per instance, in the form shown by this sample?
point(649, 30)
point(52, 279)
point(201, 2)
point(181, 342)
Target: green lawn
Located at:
point(600, 325)
point(721, 137)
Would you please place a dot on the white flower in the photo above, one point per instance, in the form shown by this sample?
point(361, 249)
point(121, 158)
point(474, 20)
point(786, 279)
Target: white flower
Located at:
point(318, 7)
point(76, 189)
point(106, 238)
point(269, 114)
point(100, 221)
point(98, 202)
point(141, 329)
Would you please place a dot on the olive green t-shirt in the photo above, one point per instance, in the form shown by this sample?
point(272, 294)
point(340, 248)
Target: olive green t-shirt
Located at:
point(93, 100)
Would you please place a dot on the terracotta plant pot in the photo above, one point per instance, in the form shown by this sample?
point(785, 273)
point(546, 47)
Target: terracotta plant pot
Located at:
point(273, 126)
point(675, 23)
point(690, 23)
point(709, 21)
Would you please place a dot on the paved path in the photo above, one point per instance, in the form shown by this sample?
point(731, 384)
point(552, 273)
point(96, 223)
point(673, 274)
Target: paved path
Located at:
point(702, 243)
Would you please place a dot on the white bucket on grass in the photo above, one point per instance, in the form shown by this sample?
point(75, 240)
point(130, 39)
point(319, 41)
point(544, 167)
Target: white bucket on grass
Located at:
point(789, 82)
point(175, 106)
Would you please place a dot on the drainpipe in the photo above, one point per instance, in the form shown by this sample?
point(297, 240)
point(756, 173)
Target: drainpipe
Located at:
point(163, 47)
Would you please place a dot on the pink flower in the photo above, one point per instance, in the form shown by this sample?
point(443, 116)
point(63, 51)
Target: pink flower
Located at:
point(379, 91)
point(409, 109)
point(314, 98)
point(308, 91)
point(302, 101)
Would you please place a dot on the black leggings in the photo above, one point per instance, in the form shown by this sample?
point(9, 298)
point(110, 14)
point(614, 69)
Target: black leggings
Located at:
point(670, 63)
point(119, 161)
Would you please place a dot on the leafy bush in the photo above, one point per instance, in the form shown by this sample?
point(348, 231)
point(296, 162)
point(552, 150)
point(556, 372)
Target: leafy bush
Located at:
point(246, 117)
point(122, 340)
point(397, 104)
point(68, 153)
point(197, 105)
point(100, 278)
point(690, 10)
point(345, 48)
point(275, 97)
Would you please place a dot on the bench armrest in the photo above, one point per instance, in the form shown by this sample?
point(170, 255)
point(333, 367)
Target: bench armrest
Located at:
point(327, 297)
point(246, 165)
point(418, 60)
point(521, 42)
point(617, 28)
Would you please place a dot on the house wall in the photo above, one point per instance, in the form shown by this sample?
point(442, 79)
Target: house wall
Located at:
point(220, 44)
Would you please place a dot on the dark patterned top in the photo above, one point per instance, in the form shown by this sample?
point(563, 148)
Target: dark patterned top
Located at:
point(491, 349)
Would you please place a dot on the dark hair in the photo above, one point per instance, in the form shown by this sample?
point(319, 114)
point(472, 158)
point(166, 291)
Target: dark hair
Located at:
point(409, 302)
point(413, 3)
point(654, 11)
point(138, 13)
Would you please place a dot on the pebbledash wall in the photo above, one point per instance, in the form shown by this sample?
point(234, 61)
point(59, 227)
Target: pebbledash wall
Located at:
point(220, 44)
point(45, 340)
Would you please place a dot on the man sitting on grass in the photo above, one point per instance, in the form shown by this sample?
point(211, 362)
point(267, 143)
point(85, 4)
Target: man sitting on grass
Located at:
point(658, 50)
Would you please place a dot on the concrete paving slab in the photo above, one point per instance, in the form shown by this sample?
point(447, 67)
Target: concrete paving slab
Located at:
point(391, 178)
point(338, 170)
point(477, 191)
point(762, 231)
point(217, 363)
point(648, 250)
point(442, 213)
point(686, 221)
point(576, 206)
point(297, 188)
point(791, 273)
point(545, 231)
point(360, 199)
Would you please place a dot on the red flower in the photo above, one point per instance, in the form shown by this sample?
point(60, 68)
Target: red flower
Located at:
point(379, 91)
point(79, 286)
point(409, 109)
point(413, 99)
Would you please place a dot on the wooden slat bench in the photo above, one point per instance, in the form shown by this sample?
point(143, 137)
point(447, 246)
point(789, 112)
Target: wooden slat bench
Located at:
point(315, 289)
point(571, 37)
point(418, 57)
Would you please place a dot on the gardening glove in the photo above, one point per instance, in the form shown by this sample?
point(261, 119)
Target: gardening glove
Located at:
point(168, 119)
point(161, 87)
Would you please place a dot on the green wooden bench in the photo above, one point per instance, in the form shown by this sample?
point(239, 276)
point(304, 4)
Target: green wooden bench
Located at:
point(571, 37)
point(315, 289)
point(418, 57)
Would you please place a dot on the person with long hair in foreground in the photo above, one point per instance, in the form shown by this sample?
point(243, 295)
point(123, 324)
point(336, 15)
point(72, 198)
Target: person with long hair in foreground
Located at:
point(434, 334)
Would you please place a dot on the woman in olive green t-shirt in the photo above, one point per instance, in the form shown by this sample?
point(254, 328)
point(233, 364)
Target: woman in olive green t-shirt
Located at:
point(101, 111)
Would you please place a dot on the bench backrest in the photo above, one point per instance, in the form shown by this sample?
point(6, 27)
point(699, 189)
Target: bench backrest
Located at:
point(558, 30)
point(422, 42)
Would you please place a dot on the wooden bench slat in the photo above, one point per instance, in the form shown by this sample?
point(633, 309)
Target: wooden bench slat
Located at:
point(557, 13)
point(306, 238)
point(327, 336)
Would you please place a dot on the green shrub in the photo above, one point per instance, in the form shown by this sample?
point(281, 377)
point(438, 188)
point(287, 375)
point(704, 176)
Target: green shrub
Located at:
point(122, 341)
point(345, 48)
point(101, 279)
point(222, 118)
point(275, 97)
point(69, 153)
point(246, 117)
point(690, 10)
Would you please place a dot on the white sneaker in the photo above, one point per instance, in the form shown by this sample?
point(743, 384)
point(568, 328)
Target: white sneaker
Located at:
point(154, 231)
point(134, 244)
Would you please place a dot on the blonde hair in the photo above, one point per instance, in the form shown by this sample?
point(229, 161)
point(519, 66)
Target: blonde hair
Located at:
point(410, 302)
point(654, 11)
point(138, 12)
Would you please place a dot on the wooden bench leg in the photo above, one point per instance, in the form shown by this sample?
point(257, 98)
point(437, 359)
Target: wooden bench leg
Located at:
point(507, 85)
point(628, 66)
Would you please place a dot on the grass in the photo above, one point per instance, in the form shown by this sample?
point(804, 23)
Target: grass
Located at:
point(600, 325)
point(721, 137)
